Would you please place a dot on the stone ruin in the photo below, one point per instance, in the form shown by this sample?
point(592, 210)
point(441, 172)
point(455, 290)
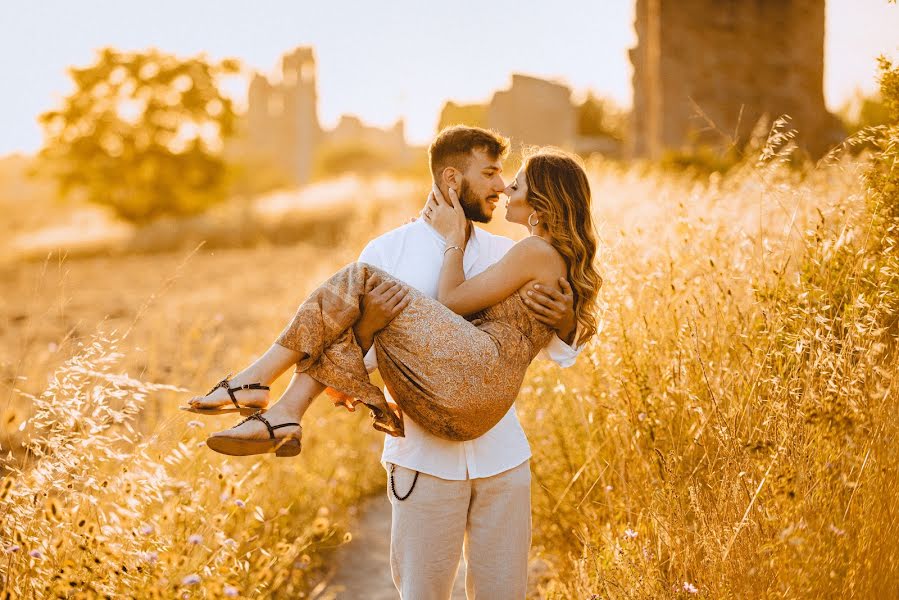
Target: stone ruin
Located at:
point(282, 125)
point(705, 72)
point(282, 118)
point(532, 111)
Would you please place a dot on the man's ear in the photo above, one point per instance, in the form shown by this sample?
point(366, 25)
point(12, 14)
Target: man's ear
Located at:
point(451, 177)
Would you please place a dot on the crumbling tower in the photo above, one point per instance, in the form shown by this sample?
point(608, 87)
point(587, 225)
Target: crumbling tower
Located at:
point(707, 70)
point(282, 118)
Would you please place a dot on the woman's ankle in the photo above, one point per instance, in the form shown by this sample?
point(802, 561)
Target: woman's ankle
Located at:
point(293, 407)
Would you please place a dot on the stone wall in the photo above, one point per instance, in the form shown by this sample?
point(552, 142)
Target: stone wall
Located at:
point(534, 111)
point(705, 72)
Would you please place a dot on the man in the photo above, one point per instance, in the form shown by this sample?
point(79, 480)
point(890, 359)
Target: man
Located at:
point(450, 498)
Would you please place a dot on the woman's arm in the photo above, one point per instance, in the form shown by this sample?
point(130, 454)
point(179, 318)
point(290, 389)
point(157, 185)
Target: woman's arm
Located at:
point(521, 264)
point(495, 284)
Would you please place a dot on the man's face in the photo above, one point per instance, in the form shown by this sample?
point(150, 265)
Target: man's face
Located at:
point(481, 186)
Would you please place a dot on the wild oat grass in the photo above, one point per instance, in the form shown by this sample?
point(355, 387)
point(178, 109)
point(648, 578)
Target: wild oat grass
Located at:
point(107, 489)
point(729, 433)
point(99, 509)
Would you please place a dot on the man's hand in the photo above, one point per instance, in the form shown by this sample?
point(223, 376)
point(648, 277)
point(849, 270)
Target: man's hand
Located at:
point(379, 307)
point(554, 308)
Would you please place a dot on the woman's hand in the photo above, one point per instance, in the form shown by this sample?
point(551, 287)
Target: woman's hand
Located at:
point(446, 216)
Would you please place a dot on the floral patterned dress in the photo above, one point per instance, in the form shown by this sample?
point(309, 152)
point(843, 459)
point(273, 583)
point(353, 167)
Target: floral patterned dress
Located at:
point(453, 378)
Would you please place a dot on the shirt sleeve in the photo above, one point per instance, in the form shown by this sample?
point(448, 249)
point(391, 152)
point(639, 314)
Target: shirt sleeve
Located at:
point(559, 352)
point(372, 254)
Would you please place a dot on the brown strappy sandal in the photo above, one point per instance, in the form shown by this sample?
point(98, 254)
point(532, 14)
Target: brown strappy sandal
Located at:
point(225, 410)
point(289, 445)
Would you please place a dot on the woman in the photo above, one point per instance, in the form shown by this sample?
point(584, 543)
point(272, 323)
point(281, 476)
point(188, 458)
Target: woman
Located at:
point(454, 378)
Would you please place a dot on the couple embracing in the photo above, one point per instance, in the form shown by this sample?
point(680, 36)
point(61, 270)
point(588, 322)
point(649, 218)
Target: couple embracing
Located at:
point(451, 316)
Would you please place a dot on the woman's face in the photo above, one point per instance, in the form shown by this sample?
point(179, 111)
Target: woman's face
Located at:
point(517, 208)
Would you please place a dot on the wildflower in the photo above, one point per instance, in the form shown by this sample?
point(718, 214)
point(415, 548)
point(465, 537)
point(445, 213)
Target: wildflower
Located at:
point(609, 488)
point(630, 533)
point(150, 557)
point(690, 588)
point(240, 503)
point(320, 525)
point(5, 488)
point(836, 530)
point(231, 591)
point(12, 549)
point(53, 510)
point(191, 579)
point(230, 543)
point(194, 423)
point(195, 539)
point(35, 554)
point(146, 529)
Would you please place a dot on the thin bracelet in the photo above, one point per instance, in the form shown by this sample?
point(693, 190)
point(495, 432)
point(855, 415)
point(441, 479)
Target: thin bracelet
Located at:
point(448, 248)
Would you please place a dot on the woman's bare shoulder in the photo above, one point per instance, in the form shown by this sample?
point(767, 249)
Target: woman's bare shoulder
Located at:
point(541, 256)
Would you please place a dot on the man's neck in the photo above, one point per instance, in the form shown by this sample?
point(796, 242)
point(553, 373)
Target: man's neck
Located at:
point(469, 230)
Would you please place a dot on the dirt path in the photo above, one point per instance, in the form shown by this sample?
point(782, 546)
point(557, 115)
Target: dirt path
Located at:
point(363, 565)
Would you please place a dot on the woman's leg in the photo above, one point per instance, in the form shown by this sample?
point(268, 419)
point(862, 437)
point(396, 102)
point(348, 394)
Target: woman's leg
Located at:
point(289, 408)
point(309, 332)
point(320, 341)
point(321, 332)
point(264, 370)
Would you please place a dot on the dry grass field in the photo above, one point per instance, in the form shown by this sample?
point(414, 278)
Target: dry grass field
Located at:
point(729, 433)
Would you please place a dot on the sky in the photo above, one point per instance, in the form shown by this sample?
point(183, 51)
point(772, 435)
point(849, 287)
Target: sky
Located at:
point(380, 61)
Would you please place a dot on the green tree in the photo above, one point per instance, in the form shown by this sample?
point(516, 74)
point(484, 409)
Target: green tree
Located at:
point(360, 158)
point(598, 117)
point(142, 133)
point(861, 111)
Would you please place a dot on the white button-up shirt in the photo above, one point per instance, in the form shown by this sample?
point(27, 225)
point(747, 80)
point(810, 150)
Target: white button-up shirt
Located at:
point(413, 253)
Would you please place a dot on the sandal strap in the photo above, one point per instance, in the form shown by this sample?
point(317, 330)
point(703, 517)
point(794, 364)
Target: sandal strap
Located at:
point(271, 428)
point(285, 425)
point(225, 383)
point(246, 386)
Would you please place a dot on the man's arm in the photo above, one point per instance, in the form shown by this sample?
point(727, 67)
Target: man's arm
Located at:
point(555, 309)
point(379, 306)
point(559, 352)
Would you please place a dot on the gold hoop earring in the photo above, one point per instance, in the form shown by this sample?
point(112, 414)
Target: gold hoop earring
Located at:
point(529, 219)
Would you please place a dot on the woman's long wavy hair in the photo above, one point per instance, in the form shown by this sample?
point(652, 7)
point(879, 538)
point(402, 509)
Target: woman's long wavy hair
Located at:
point(560, 193)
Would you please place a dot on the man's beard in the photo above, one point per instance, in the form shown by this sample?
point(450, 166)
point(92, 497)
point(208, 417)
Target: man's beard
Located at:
point(473, 209)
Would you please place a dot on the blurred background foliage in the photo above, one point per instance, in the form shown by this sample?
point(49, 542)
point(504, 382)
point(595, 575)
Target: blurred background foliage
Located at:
point(142, 133)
